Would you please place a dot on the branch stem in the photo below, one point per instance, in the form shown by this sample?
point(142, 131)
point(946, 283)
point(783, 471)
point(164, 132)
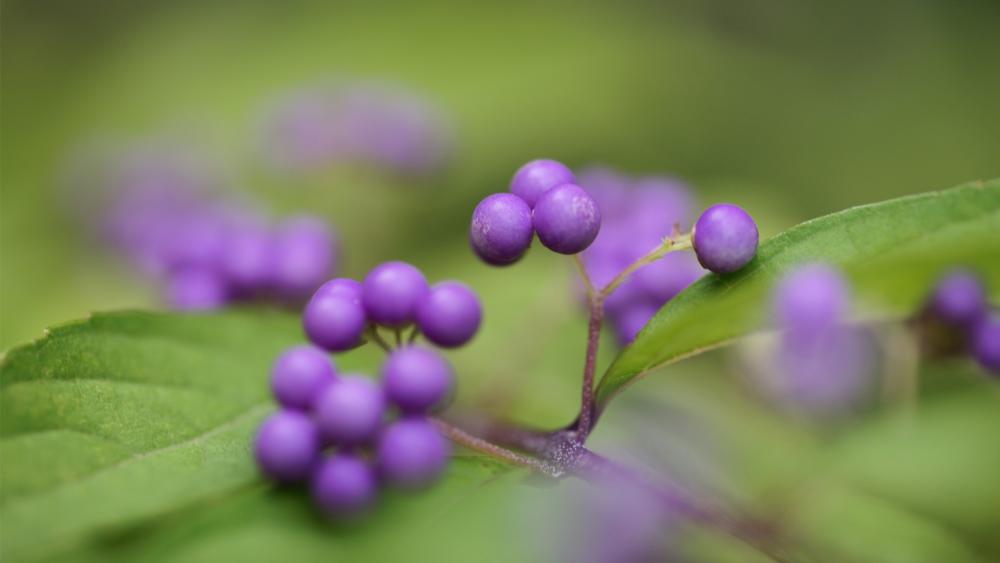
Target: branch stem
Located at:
point(474, 443)
point(375, 337)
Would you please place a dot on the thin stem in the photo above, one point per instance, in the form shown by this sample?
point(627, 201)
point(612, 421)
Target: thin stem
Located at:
point(584, 277)
point(462, 437)
point(375, 337)
point(667, 246)
point(399, 336)
point(585, 422)
point(414, 333)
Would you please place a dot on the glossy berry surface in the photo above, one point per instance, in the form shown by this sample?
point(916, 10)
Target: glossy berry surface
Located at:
point(986, 343)
point(412, 454)
point(725, 238)
point(299, 374)
point(350, 410)
point(959, 298)
point(566, 219)
point(449, 314)
point(538, 176)
point(417, 379)
point(344, 486)
point(391, 293)
point(196, 289)
point(334, 320)
point(501, 231)
point(811, 298)
point(287, 446)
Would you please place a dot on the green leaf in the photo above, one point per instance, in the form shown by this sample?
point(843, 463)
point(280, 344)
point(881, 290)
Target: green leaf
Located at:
point(117, 422)
point(892, 251)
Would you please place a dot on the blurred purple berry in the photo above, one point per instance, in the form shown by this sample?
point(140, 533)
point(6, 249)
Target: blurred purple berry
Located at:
point(287, 446)
point(391, 293)
point(417, 379)
point(538, 176)
point(668, 276)
point(334, 319)
point(959, 298)
point(344, 486)
point(501, 229)
point(986, 343)
point(196, 289)
point(412, 454)
point(810, 299)
point(344, 287)
point(825, 375)
point(632, 319)
point(349, 411)
point(305, 254)
point(566, 219)
point(248, 256)
point(298, 375)
point(725, 238)
point(449, 314)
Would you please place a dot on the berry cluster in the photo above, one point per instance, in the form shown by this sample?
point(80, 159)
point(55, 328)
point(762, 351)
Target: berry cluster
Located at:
point(959, 301)
point(383, 125)
point(337, 431)
point(169, 221)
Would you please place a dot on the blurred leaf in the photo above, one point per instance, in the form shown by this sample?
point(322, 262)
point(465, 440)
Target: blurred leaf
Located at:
point(111, 423)
point(892, 251)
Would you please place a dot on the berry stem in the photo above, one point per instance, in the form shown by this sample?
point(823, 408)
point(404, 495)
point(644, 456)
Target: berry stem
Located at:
point(585, 420)
point(462, 437)
point(585, 277)
point(399, 336)
point(414, 333)
point(375, 337)
point(667, 246)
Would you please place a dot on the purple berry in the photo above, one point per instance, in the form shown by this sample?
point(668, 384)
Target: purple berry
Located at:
point(412, 454)
point(248, 258)
point(391, 293)
point(305, 254)
point(959, 298)
point(334, 318)
point(538, 176)
point(566, 219)
point(824, 374)
point(417, 379)
point(196, 289)
point(287, 446)
point(986, 343)
point(810, 299)
point(343, 486)
point(345, 287)
point(501, 229)
point(725, 238)
point(349, 411)
point(449, 314)
point(299, 374)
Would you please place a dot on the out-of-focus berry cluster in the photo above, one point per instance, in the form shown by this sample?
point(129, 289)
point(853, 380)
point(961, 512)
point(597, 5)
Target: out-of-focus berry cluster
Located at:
point(386, 126)
point(346, 434)
point(960, 306)
point(638, 214)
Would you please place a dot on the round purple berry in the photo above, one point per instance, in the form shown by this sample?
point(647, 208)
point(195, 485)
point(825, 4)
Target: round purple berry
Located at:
point(417, 379)
point(248, 258)
point(334, 319)
point(538, 176)
point(412, 454)
point(196, 289)
point(986, 343)
point(304, 255)
point(299, 374)
point(287, 446)
point(344, 486)
point(566, 219)
point(501, 229)
point(349, 411)
point(725, 238)
point(345, 287)
point(810, 299)
point(959, 298)
point(449, 314)
point(391, 293)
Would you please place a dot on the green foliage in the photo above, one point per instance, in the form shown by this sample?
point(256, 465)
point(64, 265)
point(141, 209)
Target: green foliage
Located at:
point(892, 252)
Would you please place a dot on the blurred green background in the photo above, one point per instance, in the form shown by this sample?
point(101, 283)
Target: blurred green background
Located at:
point(793, 109)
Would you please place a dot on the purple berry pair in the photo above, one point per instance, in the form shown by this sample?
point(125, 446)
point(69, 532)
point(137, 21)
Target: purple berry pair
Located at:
point(959, 300)
point(393, 295)
point(543, 199)
point(349, 435)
